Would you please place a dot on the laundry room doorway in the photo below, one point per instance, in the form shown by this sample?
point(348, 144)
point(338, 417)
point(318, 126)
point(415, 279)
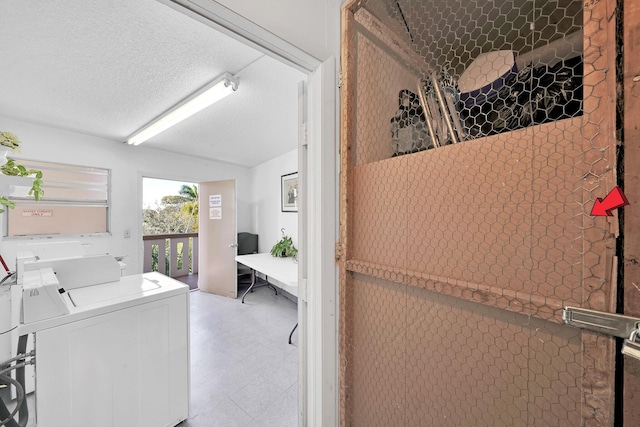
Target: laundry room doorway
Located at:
point(170, 228)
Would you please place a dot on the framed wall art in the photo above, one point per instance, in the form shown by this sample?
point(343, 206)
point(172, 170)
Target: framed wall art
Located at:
point(289, 192)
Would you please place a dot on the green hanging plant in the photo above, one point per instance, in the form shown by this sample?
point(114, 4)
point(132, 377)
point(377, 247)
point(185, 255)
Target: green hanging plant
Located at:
point(9, 140)
point(11, 168)
point(284, 248)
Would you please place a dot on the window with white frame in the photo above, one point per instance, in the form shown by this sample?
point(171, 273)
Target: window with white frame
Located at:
point(75, 201)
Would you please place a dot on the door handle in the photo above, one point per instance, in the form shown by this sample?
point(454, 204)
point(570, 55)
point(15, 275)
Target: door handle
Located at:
point(233, 245)
point(613, 324)
point(617, 325)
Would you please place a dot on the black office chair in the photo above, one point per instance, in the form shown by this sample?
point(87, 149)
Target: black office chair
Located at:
point(247, 244)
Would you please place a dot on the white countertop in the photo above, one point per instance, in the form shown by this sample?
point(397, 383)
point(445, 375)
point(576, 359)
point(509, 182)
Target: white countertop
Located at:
point(284, 270)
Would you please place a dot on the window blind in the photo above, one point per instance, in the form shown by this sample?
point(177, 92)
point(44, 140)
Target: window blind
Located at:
point(75, 201)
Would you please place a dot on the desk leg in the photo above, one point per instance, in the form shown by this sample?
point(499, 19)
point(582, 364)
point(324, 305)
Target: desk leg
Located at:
point(292, 331)
point(254, 279)
point(253, 283)
point(270, 285)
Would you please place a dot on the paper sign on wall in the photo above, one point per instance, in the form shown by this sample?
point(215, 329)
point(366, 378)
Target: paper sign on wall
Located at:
point(215, 213)
point(37, 212)
point(215, 200)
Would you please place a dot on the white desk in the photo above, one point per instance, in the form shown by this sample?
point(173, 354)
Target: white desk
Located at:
point(283, 270)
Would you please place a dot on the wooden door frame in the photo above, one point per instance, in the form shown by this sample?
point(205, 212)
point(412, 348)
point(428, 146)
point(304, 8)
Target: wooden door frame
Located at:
point(630, 181)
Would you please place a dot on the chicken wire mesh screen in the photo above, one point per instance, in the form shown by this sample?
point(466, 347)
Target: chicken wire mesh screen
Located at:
point(476, 136)
point(463, 70)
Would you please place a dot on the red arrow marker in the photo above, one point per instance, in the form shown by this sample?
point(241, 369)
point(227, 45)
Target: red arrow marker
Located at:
point(614, 200)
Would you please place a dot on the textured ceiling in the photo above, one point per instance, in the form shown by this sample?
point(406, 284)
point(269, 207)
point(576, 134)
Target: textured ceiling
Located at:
point(108, 67)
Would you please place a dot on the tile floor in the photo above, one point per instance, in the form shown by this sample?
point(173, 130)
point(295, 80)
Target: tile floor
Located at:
point(190, 280)
point(243, 370)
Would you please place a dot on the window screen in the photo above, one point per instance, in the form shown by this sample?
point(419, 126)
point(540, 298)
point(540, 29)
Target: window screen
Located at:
point(75, 201)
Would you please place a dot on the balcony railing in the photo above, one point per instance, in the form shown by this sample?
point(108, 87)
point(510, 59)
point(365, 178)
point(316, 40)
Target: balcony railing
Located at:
point(175, 255)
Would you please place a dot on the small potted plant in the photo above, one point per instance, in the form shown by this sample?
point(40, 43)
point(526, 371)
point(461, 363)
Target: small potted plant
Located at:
point(284, 248)
point(8, 166)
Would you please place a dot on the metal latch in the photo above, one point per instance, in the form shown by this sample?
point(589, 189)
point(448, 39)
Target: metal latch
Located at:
point(631, 347)
point(616, 325)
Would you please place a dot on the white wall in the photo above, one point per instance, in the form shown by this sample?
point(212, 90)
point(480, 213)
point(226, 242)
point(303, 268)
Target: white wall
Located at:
point(267, 212)
point(127, 164)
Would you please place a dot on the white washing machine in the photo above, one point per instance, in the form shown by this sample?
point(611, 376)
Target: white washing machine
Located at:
point(108, 354)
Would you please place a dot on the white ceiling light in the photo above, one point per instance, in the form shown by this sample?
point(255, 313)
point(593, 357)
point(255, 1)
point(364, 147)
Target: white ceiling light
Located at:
point(208, 95)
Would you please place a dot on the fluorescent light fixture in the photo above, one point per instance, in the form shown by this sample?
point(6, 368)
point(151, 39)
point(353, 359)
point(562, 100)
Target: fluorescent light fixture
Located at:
point(208, 95)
